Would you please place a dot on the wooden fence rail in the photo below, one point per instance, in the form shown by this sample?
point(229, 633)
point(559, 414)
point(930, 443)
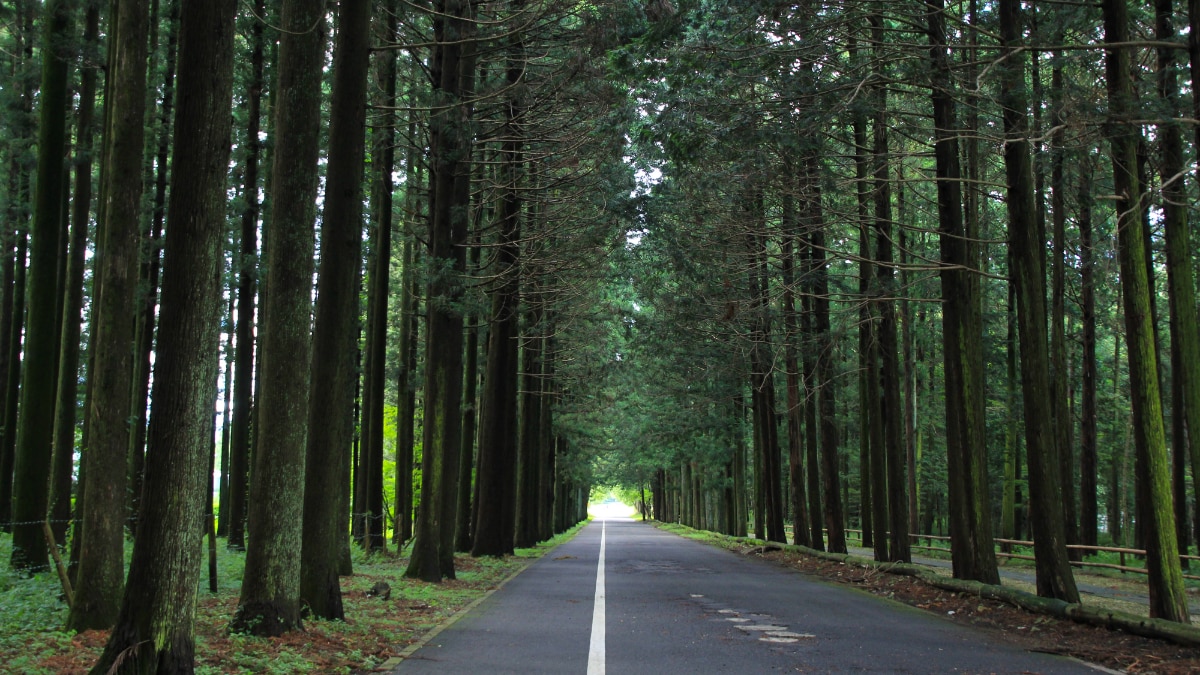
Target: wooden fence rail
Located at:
point(1122, 567)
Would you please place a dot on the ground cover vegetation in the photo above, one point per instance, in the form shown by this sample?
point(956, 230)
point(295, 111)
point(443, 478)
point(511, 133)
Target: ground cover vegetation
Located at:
point(297, 275)
point(388, 616)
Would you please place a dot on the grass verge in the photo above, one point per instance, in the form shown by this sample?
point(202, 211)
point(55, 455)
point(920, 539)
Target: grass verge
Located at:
point(32, 614)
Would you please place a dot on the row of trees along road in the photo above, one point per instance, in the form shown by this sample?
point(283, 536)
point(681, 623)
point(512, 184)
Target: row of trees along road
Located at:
point(934, 255)
point(930, 255)
point(464, 163)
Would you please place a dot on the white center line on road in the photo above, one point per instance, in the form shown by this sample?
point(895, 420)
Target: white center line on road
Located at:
point(596, 651)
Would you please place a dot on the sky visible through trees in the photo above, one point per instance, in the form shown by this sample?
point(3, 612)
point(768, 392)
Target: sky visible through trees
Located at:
point(421, 275)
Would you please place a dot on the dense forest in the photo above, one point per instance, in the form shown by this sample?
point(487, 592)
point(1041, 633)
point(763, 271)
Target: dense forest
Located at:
point(307, 275)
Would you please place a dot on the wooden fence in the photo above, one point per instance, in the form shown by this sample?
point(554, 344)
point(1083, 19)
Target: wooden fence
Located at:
point(1122, 552)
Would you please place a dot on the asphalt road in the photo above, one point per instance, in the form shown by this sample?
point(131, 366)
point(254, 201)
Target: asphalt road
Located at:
point(670, 605)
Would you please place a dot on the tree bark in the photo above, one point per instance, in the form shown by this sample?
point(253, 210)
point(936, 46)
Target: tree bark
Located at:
point(406, 395)
point(270, 595)
point(867, 505)
point(31, 468)
point(335, 333)
point(962, 334)
point(375, 373)
point(146, 296)
point(1054, 578)
point(101, 561)
point(801, 536)
point(449, 148)
point(496, 476)
point(813, 225)
point(233, 518)
point(531, 381)
point(1167, 599)
point(891, 410)
point(66, 413)
point(1088, 461)
point(153, 633)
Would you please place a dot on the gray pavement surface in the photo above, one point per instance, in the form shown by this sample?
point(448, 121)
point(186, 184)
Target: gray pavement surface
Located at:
point(674, 605)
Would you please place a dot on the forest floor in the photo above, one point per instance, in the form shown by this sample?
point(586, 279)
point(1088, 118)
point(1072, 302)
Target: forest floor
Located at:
point(376, 629)
point(1034, 632)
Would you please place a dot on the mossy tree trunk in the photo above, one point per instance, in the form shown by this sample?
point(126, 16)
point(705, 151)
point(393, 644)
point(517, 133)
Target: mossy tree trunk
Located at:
point(335, 333)
point(1054, 577)
point(270, 595)
point(153, 633)
point(962, 333)
point(101, 558)
point(496, 477)
point(1167, 599)
point(149, 266)
point(449, 150)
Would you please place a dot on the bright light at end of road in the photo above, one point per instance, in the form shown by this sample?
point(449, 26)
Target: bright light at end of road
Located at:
point(607, 510)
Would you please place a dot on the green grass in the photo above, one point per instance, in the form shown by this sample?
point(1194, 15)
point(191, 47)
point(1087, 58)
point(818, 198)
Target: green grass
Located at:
point(32, 614)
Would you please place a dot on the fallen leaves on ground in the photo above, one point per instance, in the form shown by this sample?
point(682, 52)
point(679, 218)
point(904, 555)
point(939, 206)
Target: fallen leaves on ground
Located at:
point(1024, 629)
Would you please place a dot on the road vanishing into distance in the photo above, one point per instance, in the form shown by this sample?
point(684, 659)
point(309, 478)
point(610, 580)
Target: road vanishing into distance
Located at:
point(626, 597)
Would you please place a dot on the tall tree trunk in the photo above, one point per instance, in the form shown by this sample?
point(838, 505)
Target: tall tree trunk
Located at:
point(1181, 291)
point(233, 518)
point(962, 333)
point(153, 633)
point(270, 595)
point(13, 383)
point(406, 379)
point(464, 516)
point(872, 373)
point(531, 382)
point(150, 267)
point(1011, 505)
point(546, 427)
point(866, 411)
point(1060, 376)
point(889, 373)
point(496, 474)
point(335, 332)
point(101, 564)
point(813, 225)
point(66, 411)
point(801, 535)
point(813, 463)
point(449, 149)
point(22, 158)
point(1054, 578)
point(1088, 461)
point(383, 154)
point(1167, 599)
point(31, 470)
point(909, 365)
point(762, 378)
